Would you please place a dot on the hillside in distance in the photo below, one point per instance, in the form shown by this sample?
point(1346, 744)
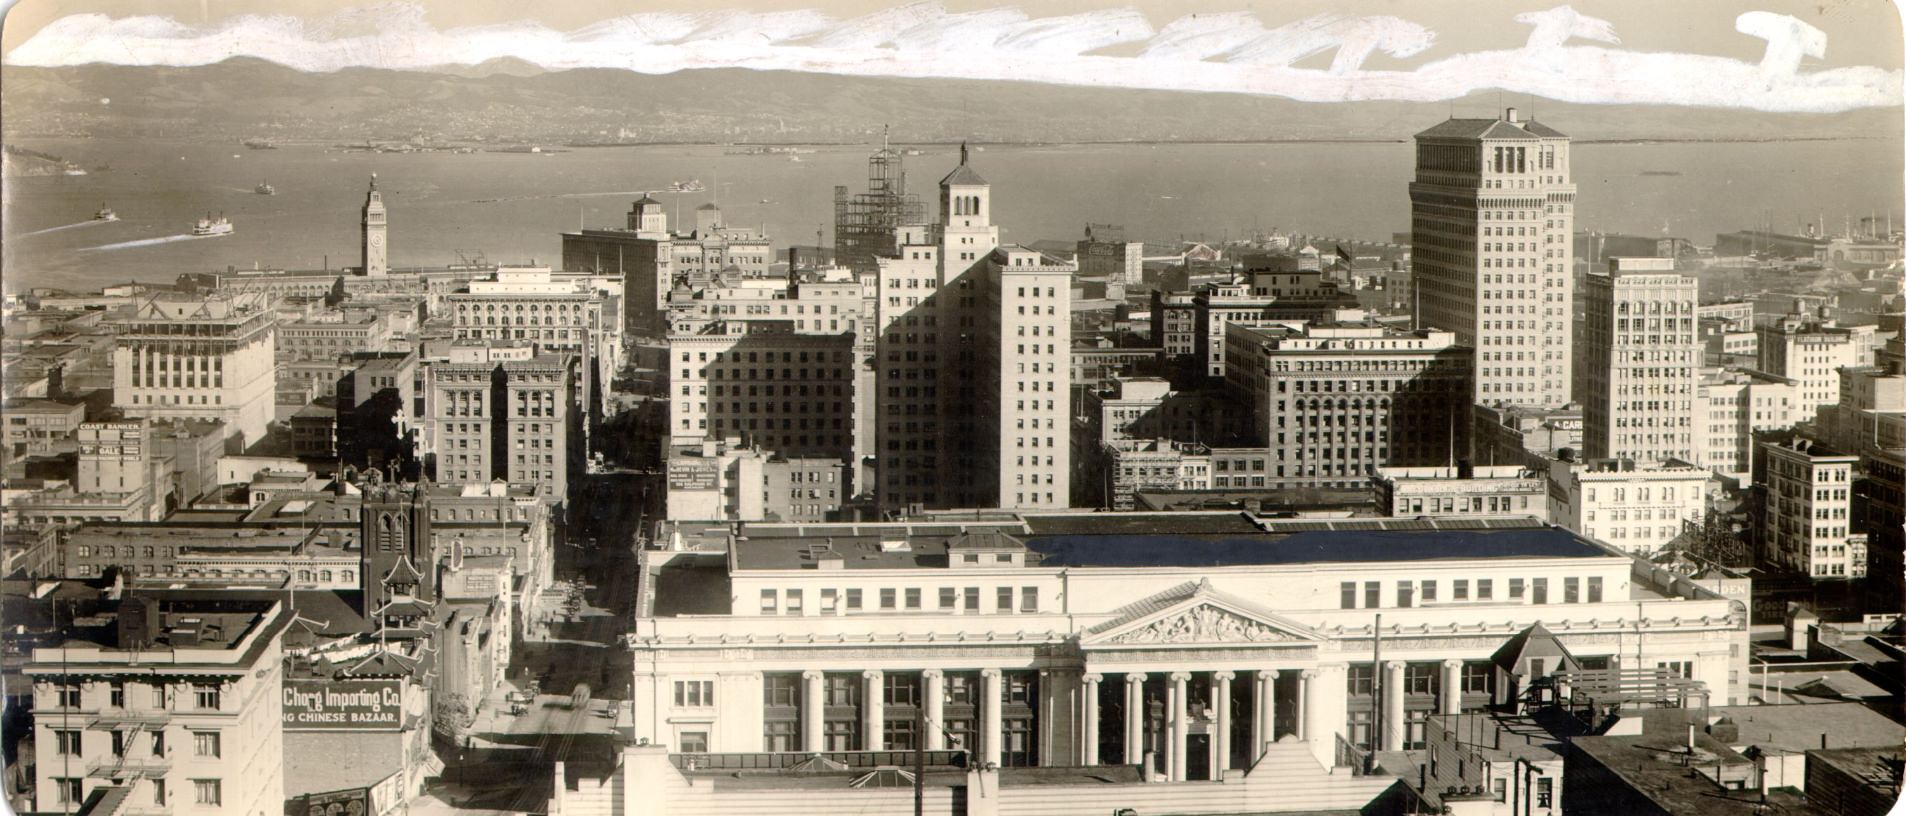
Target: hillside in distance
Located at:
point(506, 101)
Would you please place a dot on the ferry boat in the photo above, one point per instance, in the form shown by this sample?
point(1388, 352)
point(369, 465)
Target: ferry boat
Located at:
point(105, 213)
point(689, 186)
point(265, 188)
point(208, 226)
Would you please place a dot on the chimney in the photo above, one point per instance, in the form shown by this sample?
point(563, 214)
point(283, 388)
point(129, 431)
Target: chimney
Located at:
point(1511, 116)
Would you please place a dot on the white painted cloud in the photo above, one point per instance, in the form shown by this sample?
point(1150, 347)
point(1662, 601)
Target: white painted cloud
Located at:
point(1222, 52)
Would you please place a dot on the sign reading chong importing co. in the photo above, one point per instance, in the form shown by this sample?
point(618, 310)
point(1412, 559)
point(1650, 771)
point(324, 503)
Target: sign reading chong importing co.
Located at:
point(322, 705)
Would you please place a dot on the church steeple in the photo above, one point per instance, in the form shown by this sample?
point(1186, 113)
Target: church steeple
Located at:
point(376, 256)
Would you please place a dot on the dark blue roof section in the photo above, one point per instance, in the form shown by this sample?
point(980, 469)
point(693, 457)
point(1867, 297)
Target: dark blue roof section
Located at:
point(1166, 550)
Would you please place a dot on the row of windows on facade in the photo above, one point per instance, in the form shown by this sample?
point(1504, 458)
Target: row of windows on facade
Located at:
point(1414, 593)
point(69, 790)
point(1457, 504)
point(205, 696)
point(71, 743)
point(896, 599)
point(177, 399)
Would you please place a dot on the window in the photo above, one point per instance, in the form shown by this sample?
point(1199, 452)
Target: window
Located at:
point(1028, 599)
point(1429, 592)
point(1478, 678)
point(1405, 594)
point(1420, 678)
point(67, 791)
point(694, 693)
point(1485, 589)
point(838, 735)
point(1372, 594)
point(901, 690)
point(972, 600)
point(1004, 599)
point(158, 743)
point(853, 599)
point(1571, 589)
point(1594, 589)
point(783, 690)
point(794, 602)
point(1500, 787)
point(205, 743)
point(781, 735)
point(889, 599)
point(694, 742)
point(949, 597)
point(207, 791)
point(1679, 668)
point(158, 792)
point(1349, 590)
point(205, 696)
point(897, 735)
point(830, 600)
point(913, 597)
point(770, 603)
point(1515, 588)
point(68, 695)
point(69, 742)
point(1544, 792)
point(1460, 592)
point(842, 689)
point(116, 695)
point(1362, 679)
point(1539, 592)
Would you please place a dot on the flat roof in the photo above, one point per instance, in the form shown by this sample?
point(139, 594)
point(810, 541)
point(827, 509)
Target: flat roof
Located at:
point(1801, 727)
point(1182, 550)
point(1169, 540)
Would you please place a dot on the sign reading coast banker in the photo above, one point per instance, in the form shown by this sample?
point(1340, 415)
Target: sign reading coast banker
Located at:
point(326, 705)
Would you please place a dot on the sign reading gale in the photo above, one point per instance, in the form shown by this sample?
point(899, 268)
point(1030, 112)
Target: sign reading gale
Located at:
point(323, 705)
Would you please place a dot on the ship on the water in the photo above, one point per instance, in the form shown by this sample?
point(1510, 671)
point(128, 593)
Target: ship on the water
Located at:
point(209, 226)
point(105, 213)
point(1661, 172)
point(265, 188)
point(260, 144)
point(689, 186)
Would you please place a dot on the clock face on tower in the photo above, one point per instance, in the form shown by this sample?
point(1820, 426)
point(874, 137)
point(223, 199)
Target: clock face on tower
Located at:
point(376, 239)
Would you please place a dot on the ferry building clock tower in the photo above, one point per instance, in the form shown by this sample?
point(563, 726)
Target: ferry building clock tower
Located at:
point(376, 263)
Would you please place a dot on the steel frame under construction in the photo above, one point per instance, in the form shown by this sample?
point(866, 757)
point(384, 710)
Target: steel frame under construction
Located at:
point(865, 223)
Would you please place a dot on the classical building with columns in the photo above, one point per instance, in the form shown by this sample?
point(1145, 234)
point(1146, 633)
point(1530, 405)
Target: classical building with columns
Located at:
point(1185, 643)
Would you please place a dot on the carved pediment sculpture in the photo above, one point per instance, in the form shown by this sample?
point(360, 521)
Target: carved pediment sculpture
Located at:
point(1204, 624)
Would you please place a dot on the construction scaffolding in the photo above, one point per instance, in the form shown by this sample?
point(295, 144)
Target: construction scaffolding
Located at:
point(865, 223)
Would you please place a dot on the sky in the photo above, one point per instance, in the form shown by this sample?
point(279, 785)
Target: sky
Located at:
point(1823, 56)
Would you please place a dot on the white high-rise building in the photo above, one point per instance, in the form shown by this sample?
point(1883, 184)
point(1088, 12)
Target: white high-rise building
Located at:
point(1640, 366)
point(1492, 215)
point(973, 361)
point(180, 357)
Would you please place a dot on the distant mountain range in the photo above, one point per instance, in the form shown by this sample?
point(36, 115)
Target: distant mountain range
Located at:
point(513, 101)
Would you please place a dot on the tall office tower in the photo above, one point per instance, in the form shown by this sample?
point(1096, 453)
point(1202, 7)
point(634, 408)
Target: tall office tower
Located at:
point(500, 411)
point(199, 358)
point(1492, 215)
point(376, 253)
point(1641, 362)
point(972, 362)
